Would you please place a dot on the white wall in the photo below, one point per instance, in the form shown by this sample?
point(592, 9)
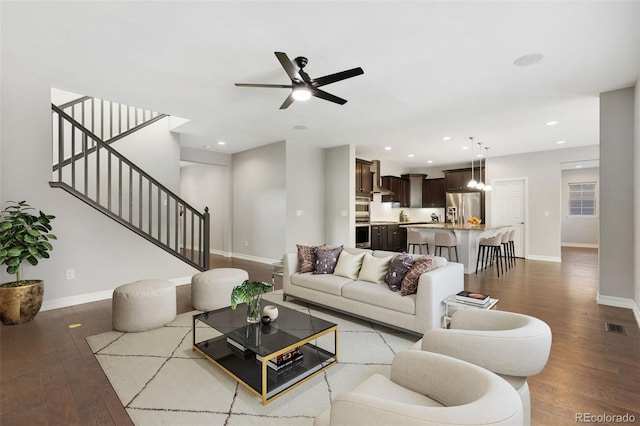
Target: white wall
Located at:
point(543, 173)
point(259, 202)
point(579, 231)
point(616, 260)
point(103, 253)
point(305, 195)
point(340, 193)
point(636, 208)
point(206, 185)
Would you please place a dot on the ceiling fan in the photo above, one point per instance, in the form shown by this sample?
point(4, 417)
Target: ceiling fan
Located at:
point(303, 86)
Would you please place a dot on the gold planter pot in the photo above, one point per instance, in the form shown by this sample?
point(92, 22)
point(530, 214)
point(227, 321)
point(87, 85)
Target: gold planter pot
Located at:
point(20, 304)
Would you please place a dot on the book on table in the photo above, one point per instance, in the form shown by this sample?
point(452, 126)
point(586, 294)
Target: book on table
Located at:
point(284, 360)
point(473, 298)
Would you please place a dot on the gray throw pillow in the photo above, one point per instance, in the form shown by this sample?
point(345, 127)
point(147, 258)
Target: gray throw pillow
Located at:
point(326, 260)
point(398, 268)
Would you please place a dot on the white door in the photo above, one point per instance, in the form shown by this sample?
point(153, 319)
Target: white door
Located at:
point(508, 208)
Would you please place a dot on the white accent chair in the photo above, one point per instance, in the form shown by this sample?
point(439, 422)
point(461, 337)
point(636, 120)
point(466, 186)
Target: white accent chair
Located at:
point(512, 345)
point(427, 389)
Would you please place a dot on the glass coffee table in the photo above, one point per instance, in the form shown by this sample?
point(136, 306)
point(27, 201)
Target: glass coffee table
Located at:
point(247, 351)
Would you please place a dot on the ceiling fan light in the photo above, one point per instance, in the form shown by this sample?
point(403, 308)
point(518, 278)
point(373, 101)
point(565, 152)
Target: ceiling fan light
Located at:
point(301, 94)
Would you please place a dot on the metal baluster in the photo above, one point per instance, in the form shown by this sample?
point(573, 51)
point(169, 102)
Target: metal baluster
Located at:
point(97, 173)
point(130, 195)
point(85, 163)
point(73, 162)
point(119, 187)
point(184, 231)
point(60, 145)
point(109, 180)
point(150, 207)
point(177, 225)
point(139, 201)
point(193, 239)
point(207, 230)
point(159, 215)
point(168, 221)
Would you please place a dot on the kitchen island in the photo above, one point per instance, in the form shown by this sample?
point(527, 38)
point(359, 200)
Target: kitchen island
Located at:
point(467, 235)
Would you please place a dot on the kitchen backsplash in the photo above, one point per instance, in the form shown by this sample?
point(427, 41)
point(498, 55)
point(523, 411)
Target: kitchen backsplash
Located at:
point(388, 212)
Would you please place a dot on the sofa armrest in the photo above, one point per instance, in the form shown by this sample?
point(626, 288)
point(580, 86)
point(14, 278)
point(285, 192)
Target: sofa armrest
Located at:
point(289, 267)
point(433, 288)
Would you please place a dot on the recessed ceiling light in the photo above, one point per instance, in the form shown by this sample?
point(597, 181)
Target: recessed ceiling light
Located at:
point(429, 161)
point(560, 142)
point(221, 142)
point(387, 148)
point(551, 123)
point(465, 147)
point(578, 166)
point(206, 146)
point(526, 60)
point(411, 156)
point(300, 127)
point(446, 138)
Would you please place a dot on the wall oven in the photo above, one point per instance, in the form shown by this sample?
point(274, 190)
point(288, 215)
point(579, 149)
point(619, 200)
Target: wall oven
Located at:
point(363, 235)
point(362, 209)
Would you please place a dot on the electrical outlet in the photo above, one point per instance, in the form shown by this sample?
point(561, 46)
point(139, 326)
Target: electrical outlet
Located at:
point(71, 274)
point(246, 243)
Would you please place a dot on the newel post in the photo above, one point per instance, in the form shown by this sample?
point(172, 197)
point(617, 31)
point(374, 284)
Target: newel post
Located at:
point(205, 237)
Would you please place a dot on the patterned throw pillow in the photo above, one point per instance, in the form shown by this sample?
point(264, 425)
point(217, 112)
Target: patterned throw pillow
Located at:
point(306, 258)
point(326, 260)
point(410, 282)
point(398, 268)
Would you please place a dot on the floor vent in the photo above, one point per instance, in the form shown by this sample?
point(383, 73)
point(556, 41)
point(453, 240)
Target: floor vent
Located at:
point(615, 328)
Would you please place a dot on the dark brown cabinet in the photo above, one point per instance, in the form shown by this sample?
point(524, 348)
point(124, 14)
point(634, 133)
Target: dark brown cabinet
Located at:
point(364, 178)
point(434, 193)
point(388, 237)
point(400, 189)
point(457, 180)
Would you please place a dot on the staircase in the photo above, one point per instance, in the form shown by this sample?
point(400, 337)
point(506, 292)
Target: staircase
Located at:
point(86, 166)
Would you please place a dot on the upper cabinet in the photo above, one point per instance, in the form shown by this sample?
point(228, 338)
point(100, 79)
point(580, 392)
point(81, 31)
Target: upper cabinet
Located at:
point(457, 180)
point(434, 193)
point(364, 178)
point(400, 189)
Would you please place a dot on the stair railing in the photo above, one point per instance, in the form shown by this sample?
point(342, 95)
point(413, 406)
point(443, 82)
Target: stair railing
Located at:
point(102, 177)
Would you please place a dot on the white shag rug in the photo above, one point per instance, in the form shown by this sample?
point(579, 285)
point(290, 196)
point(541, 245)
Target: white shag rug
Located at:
point(160, 380)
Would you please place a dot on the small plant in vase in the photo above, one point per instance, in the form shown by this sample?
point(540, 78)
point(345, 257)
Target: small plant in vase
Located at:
point(250, 293)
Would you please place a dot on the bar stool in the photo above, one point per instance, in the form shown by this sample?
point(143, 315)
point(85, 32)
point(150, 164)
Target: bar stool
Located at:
point(448, 240)
point(415, 238)
point(489, 250)
point(505, 250)
point(509, 247)
point(512, 245)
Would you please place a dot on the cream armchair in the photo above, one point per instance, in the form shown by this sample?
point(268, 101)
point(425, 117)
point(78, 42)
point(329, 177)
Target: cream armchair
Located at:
point(427, 389)
point(514, 346)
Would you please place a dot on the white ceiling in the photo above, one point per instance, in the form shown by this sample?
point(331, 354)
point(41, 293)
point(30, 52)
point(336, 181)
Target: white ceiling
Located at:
point(431, 69)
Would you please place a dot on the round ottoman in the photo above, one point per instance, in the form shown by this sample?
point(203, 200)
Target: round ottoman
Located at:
point(212, 289)
point(143, 305)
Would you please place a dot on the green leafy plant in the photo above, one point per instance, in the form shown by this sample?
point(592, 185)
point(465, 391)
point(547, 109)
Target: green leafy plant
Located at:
point(23, 237)
point(247, 291)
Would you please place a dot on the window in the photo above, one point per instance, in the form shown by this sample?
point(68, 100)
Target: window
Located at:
point(582, 199)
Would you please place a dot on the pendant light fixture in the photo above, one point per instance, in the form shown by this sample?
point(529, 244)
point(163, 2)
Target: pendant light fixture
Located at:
point(487, 187)
point(472, 183)
point(480, 185)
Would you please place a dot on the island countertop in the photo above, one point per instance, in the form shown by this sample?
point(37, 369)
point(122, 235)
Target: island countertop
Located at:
point(452, 226)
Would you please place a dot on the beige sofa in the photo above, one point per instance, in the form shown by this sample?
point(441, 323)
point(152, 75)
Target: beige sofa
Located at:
point(415, 313)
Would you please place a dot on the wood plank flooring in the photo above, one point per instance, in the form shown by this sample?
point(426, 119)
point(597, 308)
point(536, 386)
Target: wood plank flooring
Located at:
point(49, 376)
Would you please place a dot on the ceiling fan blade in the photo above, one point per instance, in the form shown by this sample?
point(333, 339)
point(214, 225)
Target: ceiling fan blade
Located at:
point(287, 101)
point(279, 86)
point(332, 78)
point(288, 66)
point(328, 96)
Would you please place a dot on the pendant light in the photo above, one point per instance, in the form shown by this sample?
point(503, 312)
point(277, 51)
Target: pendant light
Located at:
point(480, 185)
point(472, 183)
point(487, 187)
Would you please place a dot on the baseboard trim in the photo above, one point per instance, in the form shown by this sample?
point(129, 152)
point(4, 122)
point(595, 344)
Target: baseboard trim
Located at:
point(620, 302)
point(544, 258)
point(580, 245)
point(254, 258)
point(65, 302)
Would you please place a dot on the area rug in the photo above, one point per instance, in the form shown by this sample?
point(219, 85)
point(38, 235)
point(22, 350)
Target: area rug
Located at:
point(160, 380)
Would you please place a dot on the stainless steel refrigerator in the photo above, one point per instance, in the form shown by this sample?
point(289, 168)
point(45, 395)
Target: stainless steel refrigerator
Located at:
point(463, 205)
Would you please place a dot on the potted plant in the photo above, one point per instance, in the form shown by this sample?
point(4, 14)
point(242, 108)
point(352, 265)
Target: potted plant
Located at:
point(250, 293)
point(23, 237)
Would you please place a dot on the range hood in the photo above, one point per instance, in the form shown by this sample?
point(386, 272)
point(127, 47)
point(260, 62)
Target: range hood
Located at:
point(377, 180)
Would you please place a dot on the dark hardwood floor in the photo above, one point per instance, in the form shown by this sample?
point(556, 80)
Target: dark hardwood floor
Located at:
point(49, 376)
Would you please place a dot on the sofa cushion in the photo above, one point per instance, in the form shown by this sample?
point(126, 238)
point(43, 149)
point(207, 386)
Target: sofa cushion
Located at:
point(379, 295)
point(326, 283)
point(326, 259)
point(374, 269)
point(410, 282)
point(306, 258)
point(400, 265)
point(348, 265)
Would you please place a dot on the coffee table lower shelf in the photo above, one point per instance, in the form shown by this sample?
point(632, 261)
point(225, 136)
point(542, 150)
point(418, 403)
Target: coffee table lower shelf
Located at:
point(255, 375)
